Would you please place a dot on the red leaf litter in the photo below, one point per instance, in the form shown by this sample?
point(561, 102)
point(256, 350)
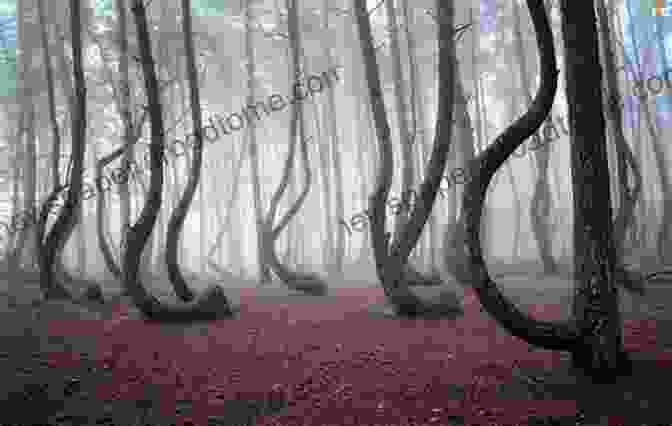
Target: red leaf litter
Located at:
point(332, 362)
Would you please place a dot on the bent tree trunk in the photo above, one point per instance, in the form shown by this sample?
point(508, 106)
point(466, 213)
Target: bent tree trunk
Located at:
point(391, 258)
point(541, 196)
point(455, 258)
point(412, 275)
point(593, 337)
point(51, 249)
point(310, 283)
point(176, 222)
point(210, 304)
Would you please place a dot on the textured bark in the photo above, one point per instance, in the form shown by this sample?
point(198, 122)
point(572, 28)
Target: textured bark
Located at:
point(391, 259)
point(212, 303)
point(594, 336)
point(600, 352)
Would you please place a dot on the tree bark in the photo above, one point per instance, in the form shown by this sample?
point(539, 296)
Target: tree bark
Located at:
point(600, 353)
point(310, 283)
point(178, 216)
point(65, 222)
point(212, 303)
point(391, 258)
point(594, 337)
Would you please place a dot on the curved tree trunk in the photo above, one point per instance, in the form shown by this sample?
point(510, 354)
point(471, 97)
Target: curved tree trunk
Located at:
point(554, 336)
point(307, 282)
point(455, 255)
point(178, 216)
point(210, 304)
point(594, 338)
point(412, 276)
point(225, 224)
point(66, 220)
point(124, 176)
point(392, 258)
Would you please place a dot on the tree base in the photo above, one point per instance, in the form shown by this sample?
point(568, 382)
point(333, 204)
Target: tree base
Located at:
point(603, 373)
point(94, 293)
point(57, 293)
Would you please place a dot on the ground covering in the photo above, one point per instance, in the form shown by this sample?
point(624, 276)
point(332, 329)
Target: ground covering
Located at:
point(290, 359)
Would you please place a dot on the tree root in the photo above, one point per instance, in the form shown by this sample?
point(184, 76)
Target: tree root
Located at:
point(209, 305)
point(308, 283)
point(415, 279)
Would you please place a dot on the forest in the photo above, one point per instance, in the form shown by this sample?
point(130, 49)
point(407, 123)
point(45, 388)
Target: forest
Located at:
point(480, 188)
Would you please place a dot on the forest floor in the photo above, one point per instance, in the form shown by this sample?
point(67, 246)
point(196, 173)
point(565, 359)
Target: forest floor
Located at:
point(290, 359)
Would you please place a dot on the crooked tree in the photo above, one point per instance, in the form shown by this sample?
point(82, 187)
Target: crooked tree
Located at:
point(593, 335)
point(391, 257)
point(212, 303)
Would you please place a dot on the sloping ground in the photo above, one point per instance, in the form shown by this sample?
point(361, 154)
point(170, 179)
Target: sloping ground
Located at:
point(295, 360)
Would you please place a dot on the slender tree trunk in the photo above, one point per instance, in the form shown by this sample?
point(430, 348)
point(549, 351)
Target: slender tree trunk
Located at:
point(540, 204)
point(264, 271)
point(307, 282)
point(65, 222)
point(126, 118)
point(624, 157)
point(392, 258)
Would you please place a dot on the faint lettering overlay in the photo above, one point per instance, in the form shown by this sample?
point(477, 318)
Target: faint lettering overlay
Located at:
point(647, 35)
point(8, 48)
point(198, 7)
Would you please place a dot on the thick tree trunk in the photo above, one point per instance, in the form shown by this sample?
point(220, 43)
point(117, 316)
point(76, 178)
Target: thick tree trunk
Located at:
point(210, 304)
point(594, 338)
point(600, 353)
